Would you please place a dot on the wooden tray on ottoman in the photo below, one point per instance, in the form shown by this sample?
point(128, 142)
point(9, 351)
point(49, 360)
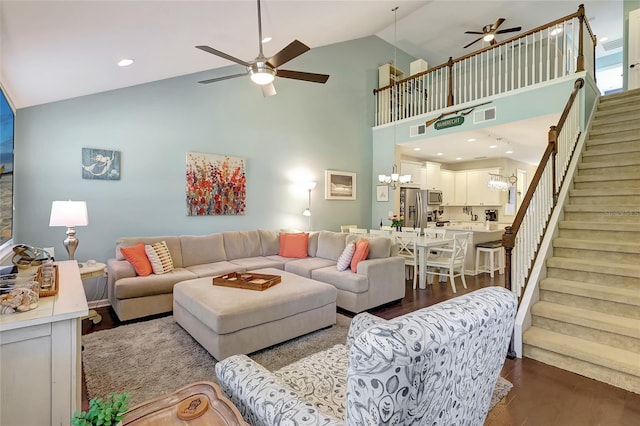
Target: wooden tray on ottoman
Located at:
point(247, 280)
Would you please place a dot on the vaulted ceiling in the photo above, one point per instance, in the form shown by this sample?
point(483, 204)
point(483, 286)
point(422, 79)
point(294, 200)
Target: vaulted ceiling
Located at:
point(54, 50)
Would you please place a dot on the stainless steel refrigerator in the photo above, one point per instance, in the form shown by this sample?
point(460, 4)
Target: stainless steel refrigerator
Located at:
point(413, 207)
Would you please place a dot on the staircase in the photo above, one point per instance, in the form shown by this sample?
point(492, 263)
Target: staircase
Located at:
point(588, 318)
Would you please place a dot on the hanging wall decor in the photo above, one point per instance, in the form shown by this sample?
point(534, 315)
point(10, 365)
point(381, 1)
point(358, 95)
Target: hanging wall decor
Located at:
point(101, 164)
point(339, 185)
point(215, 184)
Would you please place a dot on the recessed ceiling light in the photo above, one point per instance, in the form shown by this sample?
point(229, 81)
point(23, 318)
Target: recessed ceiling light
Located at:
point(471, 140)
point(439, 154)
point(417, 149)
point(266, 39)
point(458, 158)
point(125, 62)
point(603, 39)
point(493, 146)
point(509, 152)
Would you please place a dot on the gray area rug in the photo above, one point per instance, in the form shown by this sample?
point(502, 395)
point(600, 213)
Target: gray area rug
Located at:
point(153, 358)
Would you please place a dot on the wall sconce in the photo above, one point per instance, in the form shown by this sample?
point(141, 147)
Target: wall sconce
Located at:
point(307, 212)
point(394, 179)
point(69, 214)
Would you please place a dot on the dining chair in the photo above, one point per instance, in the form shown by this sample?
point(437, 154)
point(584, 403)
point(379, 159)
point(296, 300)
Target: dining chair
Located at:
point(449, 259)
point(359, 231)
point(387, 228)
point(436, 233)
point(379, 233)
point(407, 249)
point(345, 228)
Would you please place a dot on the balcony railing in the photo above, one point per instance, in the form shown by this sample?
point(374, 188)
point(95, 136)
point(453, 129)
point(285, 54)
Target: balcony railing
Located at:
point(557, 49)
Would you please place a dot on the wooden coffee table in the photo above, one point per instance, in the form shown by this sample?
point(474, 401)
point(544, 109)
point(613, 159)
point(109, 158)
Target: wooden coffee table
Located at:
point(187, 402)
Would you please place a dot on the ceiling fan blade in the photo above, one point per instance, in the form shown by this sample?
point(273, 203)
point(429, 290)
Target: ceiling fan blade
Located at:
point(499, 22)
point(268, 90)
point(223, 55)
point(509, 30)
point(475, 41)
point(293, 50)
point(213, 80)
point(305, 76)
point(473, 32)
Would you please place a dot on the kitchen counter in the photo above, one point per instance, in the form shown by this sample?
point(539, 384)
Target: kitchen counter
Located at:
point(472, 226)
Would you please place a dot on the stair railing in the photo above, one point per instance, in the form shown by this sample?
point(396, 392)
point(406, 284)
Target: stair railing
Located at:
point(522, 239)
point(551, 51)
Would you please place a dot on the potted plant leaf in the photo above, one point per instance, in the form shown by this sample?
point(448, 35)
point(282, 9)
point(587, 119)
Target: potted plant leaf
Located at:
point(103, 412)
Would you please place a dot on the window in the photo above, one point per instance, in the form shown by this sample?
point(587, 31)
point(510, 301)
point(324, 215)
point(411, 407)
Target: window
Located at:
point(7, 118)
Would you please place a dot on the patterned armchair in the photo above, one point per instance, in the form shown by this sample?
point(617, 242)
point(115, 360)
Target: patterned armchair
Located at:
point(435, 366)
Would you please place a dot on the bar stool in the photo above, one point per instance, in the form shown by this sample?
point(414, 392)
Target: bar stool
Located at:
point(490, 250)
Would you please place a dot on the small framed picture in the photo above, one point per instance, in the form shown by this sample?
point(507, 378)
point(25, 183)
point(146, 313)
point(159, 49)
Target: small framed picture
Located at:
point(382, 193)
point(339, 185)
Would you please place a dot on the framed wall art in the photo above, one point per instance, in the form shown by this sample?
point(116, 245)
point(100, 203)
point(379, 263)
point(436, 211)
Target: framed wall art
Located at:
point(382, 192)
point(215, 184)
point(339, 185)
point(100, 164)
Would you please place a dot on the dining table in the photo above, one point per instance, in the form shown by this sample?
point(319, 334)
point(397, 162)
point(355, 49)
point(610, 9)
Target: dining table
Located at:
point(423, 244)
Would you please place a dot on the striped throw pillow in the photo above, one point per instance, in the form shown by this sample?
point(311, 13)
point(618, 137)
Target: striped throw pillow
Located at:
point(345, 258)
point(160, 258)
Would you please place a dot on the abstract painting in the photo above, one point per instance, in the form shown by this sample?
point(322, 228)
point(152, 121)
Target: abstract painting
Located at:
point(102, 164)
point(339, 185)
point(216, 185)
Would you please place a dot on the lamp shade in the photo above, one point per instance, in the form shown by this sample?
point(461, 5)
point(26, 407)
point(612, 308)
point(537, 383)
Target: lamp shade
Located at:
point(69, 213)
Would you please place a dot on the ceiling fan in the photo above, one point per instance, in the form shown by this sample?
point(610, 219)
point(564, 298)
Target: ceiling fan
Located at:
point(489, 32)
point(262, 71)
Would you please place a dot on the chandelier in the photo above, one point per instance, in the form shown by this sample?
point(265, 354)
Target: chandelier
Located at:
point(394, 179)
point(501, 183)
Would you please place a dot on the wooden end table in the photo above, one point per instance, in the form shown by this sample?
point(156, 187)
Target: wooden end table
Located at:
point(87, 272)
point(186, 402)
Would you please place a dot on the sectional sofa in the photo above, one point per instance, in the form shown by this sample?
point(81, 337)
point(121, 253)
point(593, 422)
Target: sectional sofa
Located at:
point(379, 279)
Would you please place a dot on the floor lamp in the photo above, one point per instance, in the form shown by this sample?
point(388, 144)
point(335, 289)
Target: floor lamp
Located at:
point(69, 214)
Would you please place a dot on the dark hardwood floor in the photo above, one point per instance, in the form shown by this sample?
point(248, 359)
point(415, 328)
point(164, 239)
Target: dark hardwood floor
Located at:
point(541, 394)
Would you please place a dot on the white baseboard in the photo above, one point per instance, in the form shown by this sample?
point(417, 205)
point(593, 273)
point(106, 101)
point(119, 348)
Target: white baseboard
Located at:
point(98, 303)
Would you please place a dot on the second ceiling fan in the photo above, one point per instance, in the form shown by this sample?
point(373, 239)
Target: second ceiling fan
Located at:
point(262, 70)
point(489, 32)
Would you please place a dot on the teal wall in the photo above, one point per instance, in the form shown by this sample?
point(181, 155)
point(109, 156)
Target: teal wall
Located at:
point(286, 139)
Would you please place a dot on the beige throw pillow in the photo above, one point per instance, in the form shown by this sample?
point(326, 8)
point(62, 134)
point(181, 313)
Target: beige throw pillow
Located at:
point(160, 258)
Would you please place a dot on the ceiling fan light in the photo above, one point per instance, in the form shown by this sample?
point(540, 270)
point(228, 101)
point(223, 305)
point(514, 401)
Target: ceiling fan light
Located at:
point(261, 74)
point(488, 37)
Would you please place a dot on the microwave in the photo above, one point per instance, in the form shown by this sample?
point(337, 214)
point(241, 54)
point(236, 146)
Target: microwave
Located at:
point(434, 197)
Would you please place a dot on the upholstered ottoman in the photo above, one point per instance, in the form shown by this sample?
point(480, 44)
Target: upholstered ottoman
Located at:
point(228, 321)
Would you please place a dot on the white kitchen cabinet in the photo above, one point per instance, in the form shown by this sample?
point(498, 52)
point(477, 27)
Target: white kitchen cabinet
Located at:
point(432, 176)
point(40, 377)
point(460, 193)
point(478, 192)
point(412, 168)
point(447, 185)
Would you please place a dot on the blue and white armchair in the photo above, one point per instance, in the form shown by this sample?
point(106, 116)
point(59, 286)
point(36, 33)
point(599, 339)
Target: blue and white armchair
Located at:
point(434, 366)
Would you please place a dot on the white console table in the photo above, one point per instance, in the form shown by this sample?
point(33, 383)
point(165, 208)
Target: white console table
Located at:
point(40, 358)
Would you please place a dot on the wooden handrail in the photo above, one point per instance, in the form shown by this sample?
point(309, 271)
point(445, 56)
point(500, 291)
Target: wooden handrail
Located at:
point(580, 13)
point(509, 236)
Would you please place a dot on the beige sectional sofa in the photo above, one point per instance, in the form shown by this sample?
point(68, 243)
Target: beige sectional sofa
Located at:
point(379, 278)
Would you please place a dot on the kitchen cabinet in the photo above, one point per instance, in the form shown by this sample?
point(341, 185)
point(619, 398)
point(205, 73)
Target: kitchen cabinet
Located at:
point(412, 168)
point(447, 185)
point(460, 192)
point(40, 378)
point(432, 175)
point(478, 192)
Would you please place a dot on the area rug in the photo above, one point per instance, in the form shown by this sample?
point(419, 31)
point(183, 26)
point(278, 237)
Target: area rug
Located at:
point(152, 358)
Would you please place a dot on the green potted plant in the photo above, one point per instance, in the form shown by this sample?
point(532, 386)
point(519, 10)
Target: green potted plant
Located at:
point(103, 412)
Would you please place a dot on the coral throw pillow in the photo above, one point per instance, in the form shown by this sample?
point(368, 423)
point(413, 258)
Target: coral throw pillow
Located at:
point(362, 251)
point(159, 257)
point(294, 245)
point(137, 256)
point(345, 258)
